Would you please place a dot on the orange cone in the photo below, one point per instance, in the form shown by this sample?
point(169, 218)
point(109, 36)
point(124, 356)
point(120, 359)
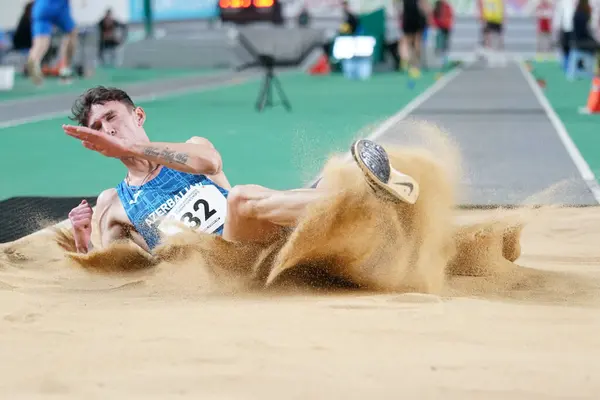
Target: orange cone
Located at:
point(321, 67)
point(593, 104)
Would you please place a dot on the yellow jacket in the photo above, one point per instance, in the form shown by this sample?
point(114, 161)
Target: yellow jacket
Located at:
point(493, 10)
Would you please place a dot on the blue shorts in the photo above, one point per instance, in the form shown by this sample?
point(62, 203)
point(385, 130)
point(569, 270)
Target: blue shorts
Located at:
point(42, 20)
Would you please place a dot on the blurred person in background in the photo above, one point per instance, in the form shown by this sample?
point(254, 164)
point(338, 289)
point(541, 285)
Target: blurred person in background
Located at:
point(493, 18)
point(562, 25)
point(278, 13)
point(480, 42)
point(349, 26)
point(426, 21)
point(544, 12)
point(584, 39)
point(304, 17)
point(22, 38)
point(46, 14)
point(492, 12)
point(443, 20)
point(413, 16)
point(351, 23)
point(112, 34)
point(4, 45)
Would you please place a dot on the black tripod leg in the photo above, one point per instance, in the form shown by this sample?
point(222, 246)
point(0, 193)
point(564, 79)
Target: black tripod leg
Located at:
point(270, 91)
point(262, 97)
point(282, 95)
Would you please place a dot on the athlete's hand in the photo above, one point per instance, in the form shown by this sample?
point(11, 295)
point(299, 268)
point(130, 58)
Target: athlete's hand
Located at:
point(81, 219)
point(107, 145)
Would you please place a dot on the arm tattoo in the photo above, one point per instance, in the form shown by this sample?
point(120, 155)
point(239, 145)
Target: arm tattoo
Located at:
point(167, 155)
point(181, 158)
point(151, 151)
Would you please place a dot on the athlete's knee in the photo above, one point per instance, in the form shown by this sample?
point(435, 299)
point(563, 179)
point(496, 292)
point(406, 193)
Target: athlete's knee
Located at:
point(242, 200)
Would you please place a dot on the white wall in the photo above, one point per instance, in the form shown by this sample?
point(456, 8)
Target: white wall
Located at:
point(85, 12)
point(11, 11)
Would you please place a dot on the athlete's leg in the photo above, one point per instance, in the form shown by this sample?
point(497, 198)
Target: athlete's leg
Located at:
point(41, 30)
point(445, 46)
point(417, 45)
point(258, 214)
point(66, 23)
point(486, 37)
point(405, 49)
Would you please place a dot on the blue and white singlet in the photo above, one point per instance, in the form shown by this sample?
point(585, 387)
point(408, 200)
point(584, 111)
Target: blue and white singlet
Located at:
point(146, 205)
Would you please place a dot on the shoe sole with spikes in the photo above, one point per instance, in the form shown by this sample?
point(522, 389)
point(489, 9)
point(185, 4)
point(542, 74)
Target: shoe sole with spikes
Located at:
point(375, 164)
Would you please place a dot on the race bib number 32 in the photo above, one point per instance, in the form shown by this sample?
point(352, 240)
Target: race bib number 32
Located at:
point(203, 208)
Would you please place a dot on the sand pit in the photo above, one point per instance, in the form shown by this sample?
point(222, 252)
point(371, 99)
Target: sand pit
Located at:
point(416, 301)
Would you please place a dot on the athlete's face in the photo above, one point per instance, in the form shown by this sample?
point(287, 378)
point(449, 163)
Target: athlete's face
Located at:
point(116, 119)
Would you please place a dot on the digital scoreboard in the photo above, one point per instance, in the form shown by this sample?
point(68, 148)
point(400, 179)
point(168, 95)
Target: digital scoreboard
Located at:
point(249, 11)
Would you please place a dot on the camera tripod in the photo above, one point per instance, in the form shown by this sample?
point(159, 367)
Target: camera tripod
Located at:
point(270, 80)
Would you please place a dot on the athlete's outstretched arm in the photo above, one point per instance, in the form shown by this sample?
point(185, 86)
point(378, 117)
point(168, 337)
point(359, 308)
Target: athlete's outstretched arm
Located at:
point(196, 156)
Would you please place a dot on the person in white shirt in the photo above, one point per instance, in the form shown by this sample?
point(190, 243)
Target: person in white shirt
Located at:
point(562, 25)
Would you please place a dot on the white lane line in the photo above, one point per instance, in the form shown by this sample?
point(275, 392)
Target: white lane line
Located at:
point(582, 166)
point(139, 99)
point(410, 107)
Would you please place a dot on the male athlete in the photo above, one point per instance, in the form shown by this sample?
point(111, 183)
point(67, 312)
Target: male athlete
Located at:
point(44, 15)
point(185, 182)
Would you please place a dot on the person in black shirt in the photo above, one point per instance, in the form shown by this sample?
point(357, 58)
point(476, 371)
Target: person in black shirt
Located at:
point(583, 38)
point(350, 25)
point(112, 35)
point(413, 18)
point(304, 17)
point(22, 38)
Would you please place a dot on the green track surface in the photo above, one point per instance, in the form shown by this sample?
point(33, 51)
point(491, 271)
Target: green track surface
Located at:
point(567, 98)
point(274, 148)
point(118, 77)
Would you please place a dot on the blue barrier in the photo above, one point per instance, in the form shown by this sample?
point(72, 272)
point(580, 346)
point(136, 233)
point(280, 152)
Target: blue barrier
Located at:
point(175, 9)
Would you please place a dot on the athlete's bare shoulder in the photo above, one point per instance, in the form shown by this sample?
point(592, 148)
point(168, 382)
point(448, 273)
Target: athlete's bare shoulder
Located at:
point(106, 199)
point(109, 208)
point(113, 221)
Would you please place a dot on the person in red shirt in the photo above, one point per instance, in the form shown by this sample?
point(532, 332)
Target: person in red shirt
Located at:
point(443, 20)
point(544, 12)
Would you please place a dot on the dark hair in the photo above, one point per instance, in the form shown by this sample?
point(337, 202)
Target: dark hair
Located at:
point(584, 6)
point(97, 95)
